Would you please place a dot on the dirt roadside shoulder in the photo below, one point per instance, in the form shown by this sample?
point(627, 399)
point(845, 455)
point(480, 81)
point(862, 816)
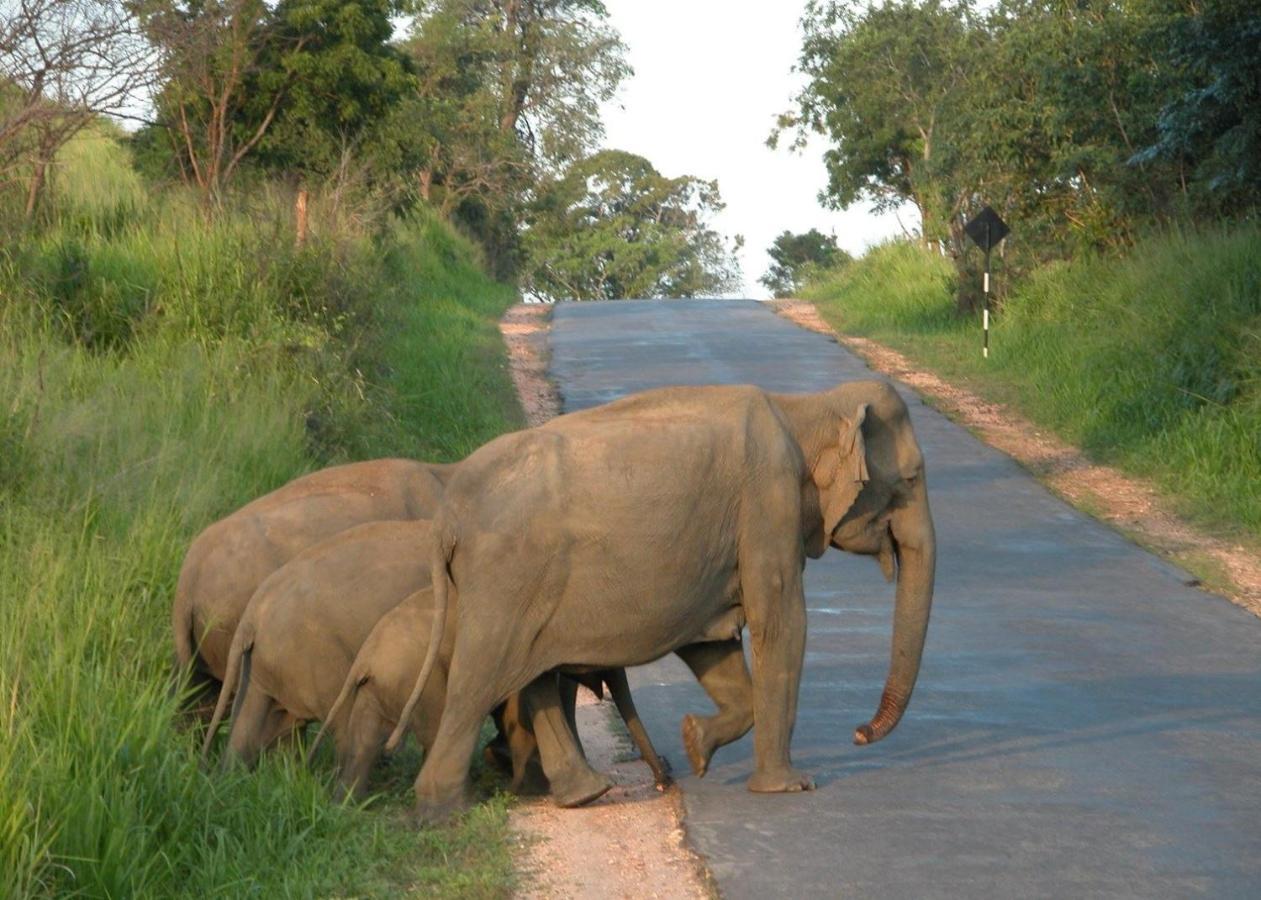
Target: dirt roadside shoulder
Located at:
point(631, 842)
point(1130, 504)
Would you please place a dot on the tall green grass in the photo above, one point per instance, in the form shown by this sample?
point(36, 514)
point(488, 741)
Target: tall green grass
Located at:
point(1152, 362)
point(157, 370)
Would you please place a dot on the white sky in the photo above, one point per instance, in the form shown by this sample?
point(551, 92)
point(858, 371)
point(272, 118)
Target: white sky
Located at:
point(710, 78)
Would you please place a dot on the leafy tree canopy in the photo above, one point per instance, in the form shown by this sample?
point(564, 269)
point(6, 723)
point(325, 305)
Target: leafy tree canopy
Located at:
point(795, 256)
point(612, 226)
point(1212, 123)
point(340, 77)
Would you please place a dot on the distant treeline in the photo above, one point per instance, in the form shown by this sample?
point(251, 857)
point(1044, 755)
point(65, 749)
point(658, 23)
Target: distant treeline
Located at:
point(1084, 123)
point(486, 111)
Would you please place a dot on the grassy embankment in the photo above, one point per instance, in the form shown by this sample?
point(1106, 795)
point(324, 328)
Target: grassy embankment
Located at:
point(158, 371)
point(1151, 362)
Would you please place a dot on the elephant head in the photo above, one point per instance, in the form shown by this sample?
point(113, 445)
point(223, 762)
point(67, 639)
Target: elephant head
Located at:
point(867, 495)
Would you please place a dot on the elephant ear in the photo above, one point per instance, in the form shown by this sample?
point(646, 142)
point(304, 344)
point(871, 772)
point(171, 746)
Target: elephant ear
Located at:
point(842, 471)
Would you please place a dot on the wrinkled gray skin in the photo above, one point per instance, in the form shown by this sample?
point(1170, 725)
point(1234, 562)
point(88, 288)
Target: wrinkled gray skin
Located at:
point(618, 534)
point(229, 560)
point(384, 672)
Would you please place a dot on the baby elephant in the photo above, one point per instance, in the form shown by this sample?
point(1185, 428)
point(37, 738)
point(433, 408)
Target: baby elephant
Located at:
point(304, 626)
point(384, 672)
point(300, 631)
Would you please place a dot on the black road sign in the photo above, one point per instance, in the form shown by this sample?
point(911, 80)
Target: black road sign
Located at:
point(987, 230)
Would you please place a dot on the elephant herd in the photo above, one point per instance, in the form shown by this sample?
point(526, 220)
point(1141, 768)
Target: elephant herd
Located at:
point(392, 596)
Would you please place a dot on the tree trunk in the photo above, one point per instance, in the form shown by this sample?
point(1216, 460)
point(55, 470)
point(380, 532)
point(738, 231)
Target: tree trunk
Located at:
point(300, 218)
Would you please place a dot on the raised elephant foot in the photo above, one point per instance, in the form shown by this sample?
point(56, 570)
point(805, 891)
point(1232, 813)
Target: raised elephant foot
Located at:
point(780, 781)
point(698, 750)
point(579, 787)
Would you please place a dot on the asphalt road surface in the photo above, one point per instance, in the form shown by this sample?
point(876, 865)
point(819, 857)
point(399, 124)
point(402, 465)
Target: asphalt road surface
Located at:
point(1086, 724)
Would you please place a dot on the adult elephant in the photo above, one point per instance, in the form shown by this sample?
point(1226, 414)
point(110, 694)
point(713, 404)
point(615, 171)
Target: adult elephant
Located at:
point(610, 537)
point(232, 557)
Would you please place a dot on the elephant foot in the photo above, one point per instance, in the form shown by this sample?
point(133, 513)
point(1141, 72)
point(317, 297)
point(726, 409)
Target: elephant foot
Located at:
point(349, 792)
point(661, 773)
point(780, 781)
point(579, 788)
point(698, 753)
point(432, 814)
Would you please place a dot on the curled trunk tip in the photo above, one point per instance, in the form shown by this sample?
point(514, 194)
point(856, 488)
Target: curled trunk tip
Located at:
point(886, 719)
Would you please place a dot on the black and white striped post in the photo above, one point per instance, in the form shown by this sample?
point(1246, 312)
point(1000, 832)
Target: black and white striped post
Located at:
point(987, 230)
point(985, 302)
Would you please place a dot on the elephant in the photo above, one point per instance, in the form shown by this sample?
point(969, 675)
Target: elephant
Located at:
point(377, 686)
point(300, 631)
point(229, 560)
point(302, 635)
point(612, 536)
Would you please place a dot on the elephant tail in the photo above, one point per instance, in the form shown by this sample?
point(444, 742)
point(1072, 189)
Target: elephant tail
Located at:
point(238, 670)
point(182, 632)
point(356, 678)
point(443, 548)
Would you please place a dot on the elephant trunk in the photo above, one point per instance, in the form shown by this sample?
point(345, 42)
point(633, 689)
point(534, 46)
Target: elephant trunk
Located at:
point(916, 548)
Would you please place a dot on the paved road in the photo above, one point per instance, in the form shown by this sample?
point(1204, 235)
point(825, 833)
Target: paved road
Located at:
point(1085, 723)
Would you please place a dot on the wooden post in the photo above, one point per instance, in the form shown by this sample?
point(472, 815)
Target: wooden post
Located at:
point(299, 214)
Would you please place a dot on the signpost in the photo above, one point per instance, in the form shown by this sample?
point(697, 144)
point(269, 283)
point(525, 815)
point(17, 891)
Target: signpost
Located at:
point(987, 231)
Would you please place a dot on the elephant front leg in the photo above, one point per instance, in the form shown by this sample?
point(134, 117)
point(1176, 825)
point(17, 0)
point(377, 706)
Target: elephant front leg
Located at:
point(720, 668)
point(573, 780)
point(774, 601)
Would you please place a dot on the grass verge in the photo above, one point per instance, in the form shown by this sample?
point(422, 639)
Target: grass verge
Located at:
point(157, 370)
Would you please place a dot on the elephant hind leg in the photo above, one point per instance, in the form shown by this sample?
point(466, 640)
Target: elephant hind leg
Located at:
point(721, 669)
point(254, 718)
point(573, 781)
point(619, 688)
point(359, 745)
point(471, 696)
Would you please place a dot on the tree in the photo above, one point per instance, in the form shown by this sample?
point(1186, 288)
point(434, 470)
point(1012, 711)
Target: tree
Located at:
point(63, 64)
point(612, 227)
point(338, 78)
point(1211, 123)
point(796, 256)
point(886, 85)
point(509, 93)
point(460, 151)
point(554, 62)
point(211, 50)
